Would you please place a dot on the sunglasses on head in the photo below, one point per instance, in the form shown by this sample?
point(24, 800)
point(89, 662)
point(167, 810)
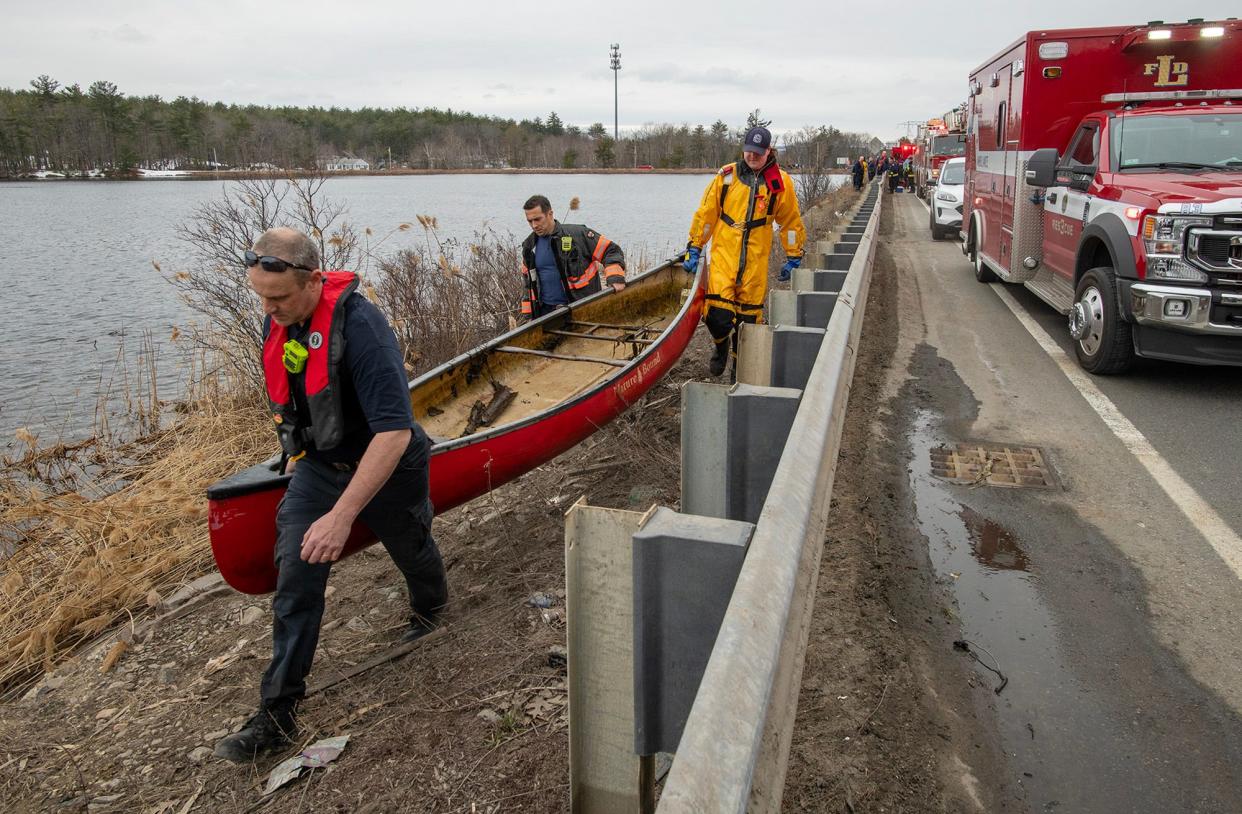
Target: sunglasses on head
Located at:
point(269, 263)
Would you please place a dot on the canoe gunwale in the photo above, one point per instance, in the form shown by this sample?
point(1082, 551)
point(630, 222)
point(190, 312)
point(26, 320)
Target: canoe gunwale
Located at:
point(554, 316)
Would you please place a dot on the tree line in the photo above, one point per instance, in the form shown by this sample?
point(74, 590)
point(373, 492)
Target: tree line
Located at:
point(63, 128)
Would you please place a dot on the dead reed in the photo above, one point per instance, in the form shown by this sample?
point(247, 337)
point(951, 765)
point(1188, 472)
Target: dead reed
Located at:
point(82, 565)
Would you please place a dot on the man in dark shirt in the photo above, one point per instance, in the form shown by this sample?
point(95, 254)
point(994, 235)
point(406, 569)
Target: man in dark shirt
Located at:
point(563, 262)
point(356, 454)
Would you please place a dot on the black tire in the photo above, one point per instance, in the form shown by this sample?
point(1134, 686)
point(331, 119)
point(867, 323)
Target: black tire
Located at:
point(1104, 344)
point(982, 273)
point(931, 223)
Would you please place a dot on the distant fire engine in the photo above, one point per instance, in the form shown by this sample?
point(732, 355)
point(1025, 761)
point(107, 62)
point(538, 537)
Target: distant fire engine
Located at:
point(1104, 172)
point(939, 140)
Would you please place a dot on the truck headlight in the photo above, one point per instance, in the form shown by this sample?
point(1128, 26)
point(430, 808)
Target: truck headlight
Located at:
point(946, 196)
point(1164, 239)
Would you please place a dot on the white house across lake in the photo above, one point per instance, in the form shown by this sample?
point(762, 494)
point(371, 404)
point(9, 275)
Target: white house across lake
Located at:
point(346, 163)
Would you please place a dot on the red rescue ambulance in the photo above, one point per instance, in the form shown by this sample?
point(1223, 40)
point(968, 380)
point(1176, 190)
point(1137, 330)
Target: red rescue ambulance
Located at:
point(1104, 172)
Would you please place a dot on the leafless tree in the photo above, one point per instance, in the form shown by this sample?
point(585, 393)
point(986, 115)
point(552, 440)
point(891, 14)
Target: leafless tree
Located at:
point(215, 285)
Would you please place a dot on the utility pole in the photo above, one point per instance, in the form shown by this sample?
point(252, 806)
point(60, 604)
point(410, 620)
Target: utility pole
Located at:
point(614, 53)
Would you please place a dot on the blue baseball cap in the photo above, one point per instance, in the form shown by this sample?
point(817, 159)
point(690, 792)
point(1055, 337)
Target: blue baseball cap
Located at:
point(757, 140)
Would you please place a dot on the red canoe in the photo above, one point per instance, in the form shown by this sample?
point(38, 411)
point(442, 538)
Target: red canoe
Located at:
point(496, 412)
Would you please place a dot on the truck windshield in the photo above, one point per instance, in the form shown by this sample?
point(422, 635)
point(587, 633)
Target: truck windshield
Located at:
point(1184, 141)
point(953, 174)
point(949, 145)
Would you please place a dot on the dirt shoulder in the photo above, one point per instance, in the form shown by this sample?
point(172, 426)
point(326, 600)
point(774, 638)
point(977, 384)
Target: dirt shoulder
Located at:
point(887, 714)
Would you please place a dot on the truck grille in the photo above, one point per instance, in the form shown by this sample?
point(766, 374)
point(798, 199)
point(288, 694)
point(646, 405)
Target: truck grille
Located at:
point(1217, 252)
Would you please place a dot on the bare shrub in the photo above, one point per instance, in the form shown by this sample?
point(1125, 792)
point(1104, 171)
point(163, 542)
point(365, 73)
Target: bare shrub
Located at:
point(218, 232)
point(447, 297)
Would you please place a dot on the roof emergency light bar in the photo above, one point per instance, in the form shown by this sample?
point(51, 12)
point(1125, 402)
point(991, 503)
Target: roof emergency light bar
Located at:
point(1151, 95)
point(1158, 31)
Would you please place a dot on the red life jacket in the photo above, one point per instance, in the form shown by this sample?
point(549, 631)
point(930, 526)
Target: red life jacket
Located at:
point(325, 348)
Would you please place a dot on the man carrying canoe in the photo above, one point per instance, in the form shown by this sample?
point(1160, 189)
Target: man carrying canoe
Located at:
point(737, 214)
point(563, 262)
point(340, 402)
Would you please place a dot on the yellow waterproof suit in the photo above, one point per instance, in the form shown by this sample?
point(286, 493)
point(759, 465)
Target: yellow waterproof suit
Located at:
point(736, 215)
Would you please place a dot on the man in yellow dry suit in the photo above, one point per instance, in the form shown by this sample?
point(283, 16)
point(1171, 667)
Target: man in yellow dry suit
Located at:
point(737, 214)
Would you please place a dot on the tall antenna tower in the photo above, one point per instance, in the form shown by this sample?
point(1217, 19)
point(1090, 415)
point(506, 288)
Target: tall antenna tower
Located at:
point(614, 53)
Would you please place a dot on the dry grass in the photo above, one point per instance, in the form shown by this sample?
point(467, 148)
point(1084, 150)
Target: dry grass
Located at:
point(81, 566)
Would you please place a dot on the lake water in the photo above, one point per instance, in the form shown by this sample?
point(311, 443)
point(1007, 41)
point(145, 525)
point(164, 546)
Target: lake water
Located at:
point(80, 289)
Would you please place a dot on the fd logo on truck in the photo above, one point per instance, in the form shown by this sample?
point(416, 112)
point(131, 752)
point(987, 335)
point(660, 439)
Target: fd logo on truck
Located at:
point(1168, 73)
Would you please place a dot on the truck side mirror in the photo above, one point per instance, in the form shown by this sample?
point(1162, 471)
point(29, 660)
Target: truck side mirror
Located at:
point(1041, 168)
point(1081, 180)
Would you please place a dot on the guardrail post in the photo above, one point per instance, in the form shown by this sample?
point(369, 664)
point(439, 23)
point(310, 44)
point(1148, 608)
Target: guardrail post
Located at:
point(835, 262)
point(731, 442)
point(684, 571)
point(599, 601)
point(777, 355)
point(804, 309)
point(816, 279)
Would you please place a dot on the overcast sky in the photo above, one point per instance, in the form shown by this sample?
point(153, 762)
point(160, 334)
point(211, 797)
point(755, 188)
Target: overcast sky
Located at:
point(691, 62)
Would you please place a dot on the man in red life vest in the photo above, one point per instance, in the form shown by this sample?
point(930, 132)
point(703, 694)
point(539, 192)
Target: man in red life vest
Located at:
point(339, 399)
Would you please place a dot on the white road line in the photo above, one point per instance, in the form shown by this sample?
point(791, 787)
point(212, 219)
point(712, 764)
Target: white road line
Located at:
point(1197, 510)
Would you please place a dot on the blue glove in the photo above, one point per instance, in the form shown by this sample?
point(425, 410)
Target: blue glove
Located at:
point(691, 260)
point(787, 269)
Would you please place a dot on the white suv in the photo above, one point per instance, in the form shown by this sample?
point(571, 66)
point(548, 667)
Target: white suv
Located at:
point(946, 200)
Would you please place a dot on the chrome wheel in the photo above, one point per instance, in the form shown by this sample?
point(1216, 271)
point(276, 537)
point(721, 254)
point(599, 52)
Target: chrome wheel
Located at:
point(1086, 321)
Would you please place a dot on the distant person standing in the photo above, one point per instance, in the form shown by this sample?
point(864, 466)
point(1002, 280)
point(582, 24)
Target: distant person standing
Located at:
point(563, 262)
point(737, 214)
point(859, 171)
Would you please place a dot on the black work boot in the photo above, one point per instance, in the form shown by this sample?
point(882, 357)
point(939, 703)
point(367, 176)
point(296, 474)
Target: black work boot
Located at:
point(421, 624)
point(720, 358)
point(268, 730)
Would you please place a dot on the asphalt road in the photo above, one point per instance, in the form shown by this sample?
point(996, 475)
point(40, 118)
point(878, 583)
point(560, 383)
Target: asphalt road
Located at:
point(1108, 603)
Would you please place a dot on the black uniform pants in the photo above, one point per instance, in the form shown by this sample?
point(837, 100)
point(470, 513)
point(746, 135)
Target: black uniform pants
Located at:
point(399, 514)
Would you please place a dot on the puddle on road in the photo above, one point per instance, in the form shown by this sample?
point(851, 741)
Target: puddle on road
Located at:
point(992, 544)
point(1054, 732)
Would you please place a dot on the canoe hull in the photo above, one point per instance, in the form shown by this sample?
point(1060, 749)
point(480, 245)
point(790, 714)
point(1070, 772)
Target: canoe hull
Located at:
point(243, 526)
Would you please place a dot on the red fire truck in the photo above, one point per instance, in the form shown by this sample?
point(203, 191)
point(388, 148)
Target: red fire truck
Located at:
point(902, 150)
point(942, 139)
point(1104, 172)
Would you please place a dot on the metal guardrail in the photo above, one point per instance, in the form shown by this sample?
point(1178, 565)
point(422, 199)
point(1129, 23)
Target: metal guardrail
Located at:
point(734, 751)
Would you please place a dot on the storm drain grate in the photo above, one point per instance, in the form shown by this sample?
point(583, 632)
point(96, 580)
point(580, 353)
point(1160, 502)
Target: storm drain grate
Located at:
point(991, 464)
